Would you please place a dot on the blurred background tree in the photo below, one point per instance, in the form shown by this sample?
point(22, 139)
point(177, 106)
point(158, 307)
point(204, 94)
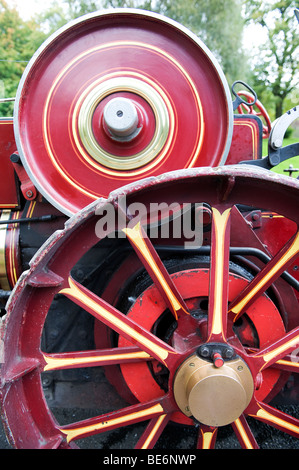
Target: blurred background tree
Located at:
point(19, 40)
point(218, 23)
point(275, 62)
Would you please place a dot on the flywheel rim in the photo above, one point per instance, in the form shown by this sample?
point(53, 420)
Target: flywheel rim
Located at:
point(65, 117)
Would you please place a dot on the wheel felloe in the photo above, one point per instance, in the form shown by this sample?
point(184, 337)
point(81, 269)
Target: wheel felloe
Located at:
point(217, 390)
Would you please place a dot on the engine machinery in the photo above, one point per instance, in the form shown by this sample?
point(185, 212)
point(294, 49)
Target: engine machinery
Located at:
point(117, 326)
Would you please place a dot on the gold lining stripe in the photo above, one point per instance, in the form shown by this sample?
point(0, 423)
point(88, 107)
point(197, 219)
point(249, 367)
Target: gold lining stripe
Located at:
point(75, 292)
point(261, 413)
point(77, 432)
point(294, 248)
point(53, 363)
point(4, 282)
point(207, 438)
point(292, 342)
point(134, 234)
point(80, 57)
point(243, 434)
point(253, 134)
point(31, 209)
point(80, 151)
point(153, 432)
point(97, 94)
point(288, 363)
point(12, 251)
point(220, 221)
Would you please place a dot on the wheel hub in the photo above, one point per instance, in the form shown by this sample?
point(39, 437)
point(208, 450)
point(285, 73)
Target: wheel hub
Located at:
point(215, 396)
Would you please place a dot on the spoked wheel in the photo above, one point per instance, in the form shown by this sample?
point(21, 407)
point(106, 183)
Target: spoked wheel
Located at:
point(208, 343)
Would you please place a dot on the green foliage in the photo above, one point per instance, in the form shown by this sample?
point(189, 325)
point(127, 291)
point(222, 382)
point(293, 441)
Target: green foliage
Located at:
point(19, 41)
point(218, 23)
point(59, 12)
point(276, 63)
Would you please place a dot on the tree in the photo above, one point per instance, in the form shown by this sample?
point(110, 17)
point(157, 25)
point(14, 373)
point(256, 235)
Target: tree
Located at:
point(218, 23)
point(276, 65)
point(19, 40)
point(58, 13)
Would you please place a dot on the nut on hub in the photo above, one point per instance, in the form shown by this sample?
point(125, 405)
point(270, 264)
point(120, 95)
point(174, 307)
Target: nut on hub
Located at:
point(215, 396)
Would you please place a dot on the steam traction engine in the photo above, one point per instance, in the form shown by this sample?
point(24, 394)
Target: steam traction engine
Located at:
point(114, 332)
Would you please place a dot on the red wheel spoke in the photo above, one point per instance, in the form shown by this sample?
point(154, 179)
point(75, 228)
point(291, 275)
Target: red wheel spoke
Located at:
point(275, 418)
point(154, 266)
point(219, 272)
point(244, 433)
point(266, 276)
point(206, 437)
point(119, 322)
point(93, 358)
point(118, 419)
point(153, 432)
point(289, 363)
point(276, 351)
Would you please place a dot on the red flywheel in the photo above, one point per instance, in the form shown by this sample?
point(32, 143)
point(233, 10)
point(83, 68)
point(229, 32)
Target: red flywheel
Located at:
point(114, 97)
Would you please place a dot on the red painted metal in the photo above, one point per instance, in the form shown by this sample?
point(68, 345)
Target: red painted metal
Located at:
point(243, 303)
point(146, 122)
point(110, 45)
point(257, 110)
point(10, 265)
point(272, 339)
point(27, 187)
point(9, 192)
point(247, 139)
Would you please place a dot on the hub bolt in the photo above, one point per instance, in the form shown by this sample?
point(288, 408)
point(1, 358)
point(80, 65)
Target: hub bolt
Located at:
point(228, 354)
point(204, 351)
point(121, 118)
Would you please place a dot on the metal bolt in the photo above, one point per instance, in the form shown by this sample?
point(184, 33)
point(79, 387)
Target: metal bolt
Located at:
point(228, 354)
point(291, 170)
point(204, 351)
point(46, 381)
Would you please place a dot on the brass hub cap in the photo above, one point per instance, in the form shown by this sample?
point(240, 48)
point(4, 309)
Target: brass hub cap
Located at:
point(123, 126)
point(215, 396)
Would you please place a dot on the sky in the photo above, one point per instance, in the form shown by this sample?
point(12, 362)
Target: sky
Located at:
point(27, 8)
